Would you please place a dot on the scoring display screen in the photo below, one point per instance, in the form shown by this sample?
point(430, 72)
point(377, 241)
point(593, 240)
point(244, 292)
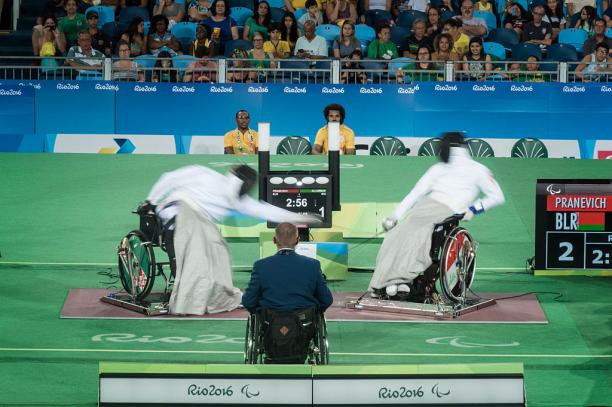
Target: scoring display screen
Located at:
point(574, 225)
point(306, 194)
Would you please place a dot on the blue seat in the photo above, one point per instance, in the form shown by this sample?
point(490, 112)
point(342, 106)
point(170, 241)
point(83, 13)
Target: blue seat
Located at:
point(524, 50)
point(184, 33)
point(365, 33)
point(495, 49)
point(562, 53)
point(114, 30)
point(146, 61)
point(573, 36)
point(609, 32)
point(276, 3)
point(147, 27)
point(504, 36)
point(399, 35)
point(276, 14)
point(489, 18)
point(397, 63)
point(328, 31)
point(240, 15)
point(299, 13)
point(574, 19)
point(181, 62)
point(447, 15)
point(407, 18)
point(295, 63)
point(230, 46)
point(129, 13)
point(376, 17)
point(105, 14)
point(243, 3)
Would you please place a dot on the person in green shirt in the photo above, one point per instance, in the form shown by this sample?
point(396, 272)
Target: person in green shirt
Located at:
point(72, 24)
point(258, 23)
point(382, 47)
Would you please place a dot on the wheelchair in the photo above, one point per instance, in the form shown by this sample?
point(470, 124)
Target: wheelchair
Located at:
point(136, 257)
point(255, 351)
point(451, 274)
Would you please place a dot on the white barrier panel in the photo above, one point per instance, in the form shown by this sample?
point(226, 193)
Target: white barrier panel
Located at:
point(172, 391)
point(111, 144)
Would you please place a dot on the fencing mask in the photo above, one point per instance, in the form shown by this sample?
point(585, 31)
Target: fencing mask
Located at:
point(450, 139)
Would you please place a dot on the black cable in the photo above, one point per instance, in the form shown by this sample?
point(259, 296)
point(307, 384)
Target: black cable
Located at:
point(558, 294)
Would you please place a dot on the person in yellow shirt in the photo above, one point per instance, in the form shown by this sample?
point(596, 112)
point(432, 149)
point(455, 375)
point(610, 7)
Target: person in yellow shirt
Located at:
point(335, 113)
point(460, 40)
point(278, 48)
point(241, 140)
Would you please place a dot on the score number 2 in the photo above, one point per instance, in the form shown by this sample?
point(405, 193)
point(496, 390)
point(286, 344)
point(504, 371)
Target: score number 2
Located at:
point(565, 256)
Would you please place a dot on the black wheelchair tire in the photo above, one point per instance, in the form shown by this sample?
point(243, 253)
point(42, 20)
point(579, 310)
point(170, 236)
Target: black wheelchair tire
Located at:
point(321, 342)
point(140, 293)
point(453, 294)
point(252, 340)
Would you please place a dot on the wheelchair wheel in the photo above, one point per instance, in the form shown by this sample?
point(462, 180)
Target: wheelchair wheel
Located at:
point(136, 264)
point(457, 264)
point(252, 341)
point(321, 345)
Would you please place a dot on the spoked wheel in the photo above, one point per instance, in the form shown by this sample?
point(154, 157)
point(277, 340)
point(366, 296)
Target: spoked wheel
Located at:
point(252, 340)
point(136, 264)
point(457, 265)
point(321, 343)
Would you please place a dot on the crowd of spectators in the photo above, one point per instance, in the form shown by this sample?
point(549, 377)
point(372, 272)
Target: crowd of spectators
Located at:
point(420, 31)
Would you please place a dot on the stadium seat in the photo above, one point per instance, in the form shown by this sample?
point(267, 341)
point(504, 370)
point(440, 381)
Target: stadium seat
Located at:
point(574, 19)
point(181, 62)
point(294, 145)
point(388, 146)
point(376, 17)
point(328, 31)
point(562, 53)
point(146, 61)
point(299, 13)
point(397, 63)
point(407, 18)
point(365, 33)
point(105, 14)
point(479, 148)
point(496, 50)
point(430, 147)
point(609, 32)
point(230, 46)
point(489, 18)
point(184, 33)
point(529, 148)
point(276, 14)
point(244, 3)
point(114, 30)
point(276, 3)
point(522, 51)
point(240, 15)
point(503, 36)
point(399, 35)
point(573, 36)
point(147, 27)
point(129, 13)
point(447, 15)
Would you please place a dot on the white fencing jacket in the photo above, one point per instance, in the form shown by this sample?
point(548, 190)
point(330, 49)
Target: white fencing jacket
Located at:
point(213, 194)
point(456, 184)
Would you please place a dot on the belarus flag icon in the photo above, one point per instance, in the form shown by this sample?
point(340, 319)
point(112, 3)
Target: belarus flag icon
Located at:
point(591, 220)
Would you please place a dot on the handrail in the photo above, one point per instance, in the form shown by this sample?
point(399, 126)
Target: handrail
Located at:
point(295, 71)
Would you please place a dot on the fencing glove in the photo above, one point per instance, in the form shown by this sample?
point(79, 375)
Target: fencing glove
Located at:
point(389, 223)
point(469, 213)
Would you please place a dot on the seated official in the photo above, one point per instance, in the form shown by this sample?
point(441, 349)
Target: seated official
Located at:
point(288, 289)
point(334, 113)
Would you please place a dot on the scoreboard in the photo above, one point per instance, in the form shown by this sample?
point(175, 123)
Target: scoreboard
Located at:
point(305, 193)
point(574, 226)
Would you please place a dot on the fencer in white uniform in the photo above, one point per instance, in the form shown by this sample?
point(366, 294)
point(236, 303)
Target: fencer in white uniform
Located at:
point(189, 201)
point(450, 187)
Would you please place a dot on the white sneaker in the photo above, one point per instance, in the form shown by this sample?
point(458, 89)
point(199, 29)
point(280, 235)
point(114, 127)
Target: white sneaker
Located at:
point(391, 290)
point(403, 288)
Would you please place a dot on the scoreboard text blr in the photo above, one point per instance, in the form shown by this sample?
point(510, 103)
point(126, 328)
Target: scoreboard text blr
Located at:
point(574, 224)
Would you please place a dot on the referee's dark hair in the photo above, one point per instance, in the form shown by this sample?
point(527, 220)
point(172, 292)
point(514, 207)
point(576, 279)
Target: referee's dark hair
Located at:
point(337, 107)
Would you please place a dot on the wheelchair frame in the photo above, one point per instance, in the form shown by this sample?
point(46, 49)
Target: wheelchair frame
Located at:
point(254, 352)
point(136, 257)
point(442, 290)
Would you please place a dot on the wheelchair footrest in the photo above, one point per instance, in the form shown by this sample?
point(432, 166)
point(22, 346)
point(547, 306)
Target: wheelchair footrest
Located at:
point(155, 304)
point(442, 311)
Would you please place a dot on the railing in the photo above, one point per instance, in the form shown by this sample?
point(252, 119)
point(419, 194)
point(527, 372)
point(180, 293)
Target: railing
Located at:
point(295, 71)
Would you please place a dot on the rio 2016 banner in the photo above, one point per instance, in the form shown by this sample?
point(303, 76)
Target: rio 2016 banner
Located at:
point(197, 115)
